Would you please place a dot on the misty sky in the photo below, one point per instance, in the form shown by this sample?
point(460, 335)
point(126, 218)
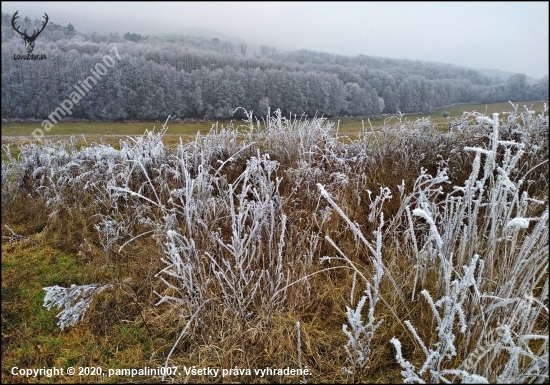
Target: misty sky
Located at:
point(508, 36)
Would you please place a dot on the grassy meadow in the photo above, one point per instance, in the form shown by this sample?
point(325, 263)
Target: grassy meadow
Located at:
point(415, 255)
point(101, 128)
point(187, 131)
point(353, 126)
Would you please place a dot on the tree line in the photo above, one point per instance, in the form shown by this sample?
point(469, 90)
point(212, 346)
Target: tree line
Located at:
point(192, 77)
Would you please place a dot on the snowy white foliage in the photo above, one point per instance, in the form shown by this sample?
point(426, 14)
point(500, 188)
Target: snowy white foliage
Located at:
point(226, 234)
point(494, 189)
point(359, 337)
point(75, 300)
point(520, 223)
point(452, 321)
point(519, 264)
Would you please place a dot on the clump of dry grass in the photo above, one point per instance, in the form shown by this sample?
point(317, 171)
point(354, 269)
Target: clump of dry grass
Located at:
point(210, 252)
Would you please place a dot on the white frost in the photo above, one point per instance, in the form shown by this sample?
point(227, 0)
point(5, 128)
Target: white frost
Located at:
point(519, 222)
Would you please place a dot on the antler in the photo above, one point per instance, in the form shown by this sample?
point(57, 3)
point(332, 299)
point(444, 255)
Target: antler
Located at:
point(35, 34)
point(14, 27)
point(24, 34)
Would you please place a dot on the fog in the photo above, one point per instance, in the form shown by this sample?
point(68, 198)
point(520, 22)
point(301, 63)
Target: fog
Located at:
point(507, 36)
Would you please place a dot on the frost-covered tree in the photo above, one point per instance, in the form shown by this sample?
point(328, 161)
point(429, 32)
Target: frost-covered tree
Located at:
point(150, 77)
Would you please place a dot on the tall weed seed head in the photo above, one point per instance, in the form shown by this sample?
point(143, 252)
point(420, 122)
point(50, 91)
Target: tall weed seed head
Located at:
point(222, 214)
point(499, 199)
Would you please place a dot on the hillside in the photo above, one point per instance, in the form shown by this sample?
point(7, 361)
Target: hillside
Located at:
point(134, 77)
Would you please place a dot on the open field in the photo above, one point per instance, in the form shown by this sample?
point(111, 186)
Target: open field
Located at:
point(353, 126)
point(102, 131)
point(415, 256)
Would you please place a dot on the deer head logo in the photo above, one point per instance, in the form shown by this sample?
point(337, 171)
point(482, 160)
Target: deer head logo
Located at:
point(29, 40)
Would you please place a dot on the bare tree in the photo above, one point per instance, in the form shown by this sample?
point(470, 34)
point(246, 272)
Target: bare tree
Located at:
point(243, 48)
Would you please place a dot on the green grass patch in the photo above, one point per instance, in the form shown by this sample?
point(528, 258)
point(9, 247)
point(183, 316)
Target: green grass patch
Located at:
point(30, 335)
point(29, 331)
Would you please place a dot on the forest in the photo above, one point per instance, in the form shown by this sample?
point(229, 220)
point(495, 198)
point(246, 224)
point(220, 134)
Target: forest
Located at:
point(200, 78)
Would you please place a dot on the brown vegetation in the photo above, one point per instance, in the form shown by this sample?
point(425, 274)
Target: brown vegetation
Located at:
point(254, 226)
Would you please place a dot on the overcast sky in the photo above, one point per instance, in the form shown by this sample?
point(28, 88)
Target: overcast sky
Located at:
point(508, 36)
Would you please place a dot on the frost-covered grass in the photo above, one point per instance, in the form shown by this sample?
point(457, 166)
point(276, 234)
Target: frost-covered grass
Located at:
point(403, 255)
